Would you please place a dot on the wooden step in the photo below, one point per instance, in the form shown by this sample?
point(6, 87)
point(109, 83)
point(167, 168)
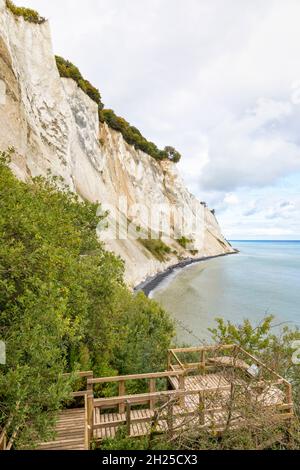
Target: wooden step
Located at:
point(69, 432)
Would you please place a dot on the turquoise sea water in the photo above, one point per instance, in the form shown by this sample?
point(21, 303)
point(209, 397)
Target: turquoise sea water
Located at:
point(263, 279)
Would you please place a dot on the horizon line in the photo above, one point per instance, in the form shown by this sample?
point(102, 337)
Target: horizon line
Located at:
point(261, 240)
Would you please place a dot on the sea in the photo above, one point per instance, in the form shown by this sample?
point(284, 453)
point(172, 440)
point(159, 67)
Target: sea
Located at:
point(262, 279)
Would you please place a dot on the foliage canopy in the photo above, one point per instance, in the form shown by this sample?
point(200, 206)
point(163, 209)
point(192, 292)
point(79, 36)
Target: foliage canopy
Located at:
point(63, 304)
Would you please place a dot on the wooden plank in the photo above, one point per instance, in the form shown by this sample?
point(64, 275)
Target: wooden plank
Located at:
point(80, 393)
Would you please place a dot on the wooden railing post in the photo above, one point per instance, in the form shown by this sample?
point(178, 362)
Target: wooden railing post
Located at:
point(89, 401)
point(202, 360)
point(181, 380)
point(152, 389)
point(89, 386)
point(128, 418)
point(122, 392)
point(86, 424)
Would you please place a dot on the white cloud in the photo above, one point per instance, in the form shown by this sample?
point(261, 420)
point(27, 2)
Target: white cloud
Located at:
point(251, 150)
point(218, 79)
point(231, 199)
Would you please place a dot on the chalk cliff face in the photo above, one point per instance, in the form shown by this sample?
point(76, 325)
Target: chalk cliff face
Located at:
point(53, 125)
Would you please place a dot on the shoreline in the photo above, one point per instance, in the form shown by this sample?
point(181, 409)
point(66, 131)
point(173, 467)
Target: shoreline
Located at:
point(152, 282)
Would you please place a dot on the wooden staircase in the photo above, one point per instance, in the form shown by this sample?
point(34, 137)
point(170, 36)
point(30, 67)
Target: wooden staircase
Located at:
point(70, 432)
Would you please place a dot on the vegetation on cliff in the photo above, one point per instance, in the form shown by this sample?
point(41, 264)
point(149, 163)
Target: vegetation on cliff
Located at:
point(133, 137)
point(157, 248)
point(68, 70)
point(28, 14)
point(63, 304)
point(130, 133)
point(184, 242)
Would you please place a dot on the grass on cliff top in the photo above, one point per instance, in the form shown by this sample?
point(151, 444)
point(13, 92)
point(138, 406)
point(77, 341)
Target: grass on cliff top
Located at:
point(28, 14)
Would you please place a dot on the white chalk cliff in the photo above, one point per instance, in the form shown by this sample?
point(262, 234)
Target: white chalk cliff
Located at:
point(53, 125)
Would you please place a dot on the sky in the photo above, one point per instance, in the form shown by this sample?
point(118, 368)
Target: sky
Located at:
point(217, 79)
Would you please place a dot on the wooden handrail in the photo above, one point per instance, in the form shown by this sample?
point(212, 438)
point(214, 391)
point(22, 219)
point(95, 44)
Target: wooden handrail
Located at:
point(81, 393)
point(220, 348)
point(82, 374)
point(202, 348)
point(122, 378)
point(146, 397)
point(144, 419)
point(176, 413)
point(172, 353)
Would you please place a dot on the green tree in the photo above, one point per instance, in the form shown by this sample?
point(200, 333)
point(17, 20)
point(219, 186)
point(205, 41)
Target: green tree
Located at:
point(172, 154)
point(63, 304)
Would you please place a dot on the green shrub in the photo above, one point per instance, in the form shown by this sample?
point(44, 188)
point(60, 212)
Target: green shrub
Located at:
point(157, 247)
point(29, 15)
point(68, 70)
point(134, 137)
point(172, 154)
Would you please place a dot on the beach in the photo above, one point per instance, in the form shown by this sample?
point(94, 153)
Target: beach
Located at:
point(153, 282)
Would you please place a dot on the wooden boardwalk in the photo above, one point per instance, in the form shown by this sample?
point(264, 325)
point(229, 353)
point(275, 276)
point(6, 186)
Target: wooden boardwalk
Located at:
point(184, 414)
point(199, 386)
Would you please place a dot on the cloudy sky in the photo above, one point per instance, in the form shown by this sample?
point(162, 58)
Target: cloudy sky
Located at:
point(218, 79)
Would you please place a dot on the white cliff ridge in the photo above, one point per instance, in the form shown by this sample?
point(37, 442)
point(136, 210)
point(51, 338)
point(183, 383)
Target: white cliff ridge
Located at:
point(54, 126)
